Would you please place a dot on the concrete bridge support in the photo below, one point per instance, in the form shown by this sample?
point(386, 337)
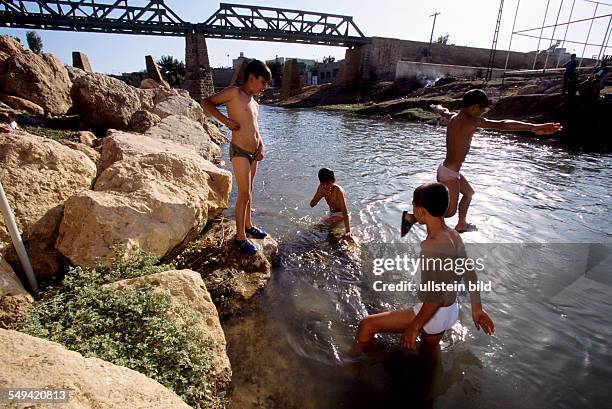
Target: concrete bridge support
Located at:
point(80, 60)
point(198, 75)
point(292, 83)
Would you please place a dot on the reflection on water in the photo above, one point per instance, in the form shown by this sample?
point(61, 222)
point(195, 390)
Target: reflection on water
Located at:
point(289, 351)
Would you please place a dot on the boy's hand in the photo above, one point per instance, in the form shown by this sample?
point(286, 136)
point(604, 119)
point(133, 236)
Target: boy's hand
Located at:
point(482, 320)
point(323, 190)
point(259, 153)
point(231, 124)
point(409, 336)
point(547, 129)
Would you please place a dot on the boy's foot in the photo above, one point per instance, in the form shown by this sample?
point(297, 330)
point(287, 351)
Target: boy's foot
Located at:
point(407, 221)
point(246, 246)
point(465, 228)
point(256, 232)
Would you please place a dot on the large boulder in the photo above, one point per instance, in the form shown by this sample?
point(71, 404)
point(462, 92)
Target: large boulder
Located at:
point(179, 105)
point(152, 203)
point(105, 101)
point(232, 278)
point(93, 383)
point(188, 293)
point(213, 130)
point(185, 131)
point(120, 145)
point(9, 46)
point(40, 78)
point(38, 175)
point(15, 301)
point(143, 120)
point(22, 104)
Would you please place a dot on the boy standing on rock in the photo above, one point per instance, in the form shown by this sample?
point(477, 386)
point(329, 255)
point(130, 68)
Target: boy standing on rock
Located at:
point(246, 148)
point(461, 128)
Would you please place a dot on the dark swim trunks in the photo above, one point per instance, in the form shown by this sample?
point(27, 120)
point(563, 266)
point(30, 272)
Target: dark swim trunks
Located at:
point(235, 150)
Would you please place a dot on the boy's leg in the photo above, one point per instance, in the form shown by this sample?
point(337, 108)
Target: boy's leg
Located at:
point(390, 321)
point(247, 220)
point(242, 171)
point(453, 186)
point(466, 197)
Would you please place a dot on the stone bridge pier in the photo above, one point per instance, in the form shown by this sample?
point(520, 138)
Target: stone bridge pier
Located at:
point(198, 74)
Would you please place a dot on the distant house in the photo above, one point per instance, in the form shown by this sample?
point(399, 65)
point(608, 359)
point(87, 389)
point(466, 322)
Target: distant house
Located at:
point(327, 72)
point(236, 61)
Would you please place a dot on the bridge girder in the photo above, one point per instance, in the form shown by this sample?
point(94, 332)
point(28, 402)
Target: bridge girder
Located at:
point(154, 17)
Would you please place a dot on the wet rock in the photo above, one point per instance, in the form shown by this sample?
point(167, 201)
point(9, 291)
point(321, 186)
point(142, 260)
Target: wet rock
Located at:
point(40, 78)
point(15, 301)
point(93, 383)
point(105, 101)
point(232, 277)
point(188, 292)
point(152, 203)
point(185, 131)
point(22, 104)
point(39, 175)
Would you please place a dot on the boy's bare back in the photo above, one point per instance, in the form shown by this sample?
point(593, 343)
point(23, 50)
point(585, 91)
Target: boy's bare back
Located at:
point(335, 200)
point(459, 135)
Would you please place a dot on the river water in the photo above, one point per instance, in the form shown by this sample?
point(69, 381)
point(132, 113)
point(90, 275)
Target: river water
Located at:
point(289, 350)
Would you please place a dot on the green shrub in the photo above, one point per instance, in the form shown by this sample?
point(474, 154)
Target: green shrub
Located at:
point(126, 327)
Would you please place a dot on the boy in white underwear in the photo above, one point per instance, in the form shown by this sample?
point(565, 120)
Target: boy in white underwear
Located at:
point(461, 128)
point(438, 310)
point(335, 198)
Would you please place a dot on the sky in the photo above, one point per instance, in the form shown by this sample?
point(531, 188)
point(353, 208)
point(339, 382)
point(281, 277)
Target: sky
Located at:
point(468, 22)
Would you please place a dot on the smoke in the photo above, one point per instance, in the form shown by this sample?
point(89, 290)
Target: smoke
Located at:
point(427, 80)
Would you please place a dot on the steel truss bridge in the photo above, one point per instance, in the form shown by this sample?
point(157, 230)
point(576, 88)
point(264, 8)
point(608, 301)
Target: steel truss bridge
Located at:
point(154, 17)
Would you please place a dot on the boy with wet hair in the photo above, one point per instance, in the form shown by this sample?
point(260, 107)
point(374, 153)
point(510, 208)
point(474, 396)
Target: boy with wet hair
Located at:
point(335, 197)
point(438, 310)
point(459, 133)
point(247, 147)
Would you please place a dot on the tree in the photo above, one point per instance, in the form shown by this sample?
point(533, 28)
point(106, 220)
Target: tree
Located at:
point(172, 69)
point(443, 39)
point(34, 42)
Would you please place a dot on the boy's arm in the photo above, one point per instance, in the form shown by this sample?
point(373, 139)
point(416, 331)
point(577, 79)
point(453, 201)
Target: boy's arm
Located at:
point(511, 125)
point(319, 194)
point(411, 333)
point(441, 111)
point(479, 315)
point(220, 98)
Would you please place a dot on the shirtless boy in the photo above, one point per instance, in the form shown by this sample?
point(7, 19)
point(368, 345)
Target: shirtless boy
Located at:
point(461, 128)
point(438, 311)
point(246, 148)
point(334, 196)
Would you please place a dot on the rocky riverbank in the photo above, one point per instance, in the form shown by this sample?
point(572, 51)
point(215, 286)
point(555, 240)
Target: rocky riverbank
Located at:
point(100, 176)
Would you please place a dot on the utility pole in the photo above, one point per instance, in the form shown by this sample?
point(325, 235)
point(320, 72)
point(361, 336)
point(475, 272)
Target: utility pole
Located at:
point(434, 15)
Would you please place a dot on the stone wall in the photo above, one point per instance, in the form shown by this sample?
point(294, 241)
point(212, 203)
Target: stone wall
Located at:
point(408, 70)
point(378, 61)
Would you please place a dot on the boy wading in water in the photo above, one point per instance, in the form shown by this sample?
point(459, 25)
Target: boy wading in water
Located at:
point(334, 196)
point(461, 128)
point(246, 148)
point(438, 310)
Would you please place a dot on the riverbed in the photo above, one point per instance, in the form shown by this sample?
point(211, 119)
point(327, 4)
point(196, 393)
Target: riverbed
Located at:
point(552, 350)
